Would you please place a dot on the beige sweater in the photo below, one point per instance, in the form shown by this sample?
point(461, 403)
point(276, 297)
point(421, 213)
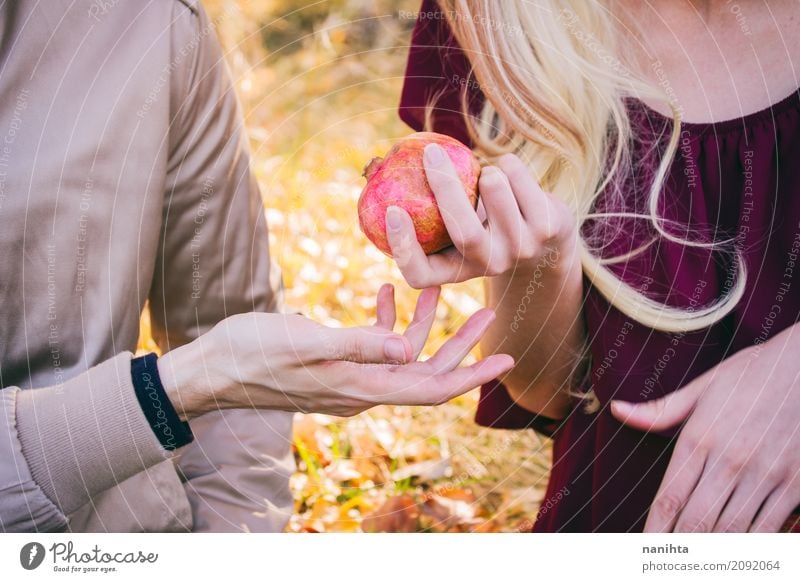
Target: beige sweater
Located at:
point(124, 178)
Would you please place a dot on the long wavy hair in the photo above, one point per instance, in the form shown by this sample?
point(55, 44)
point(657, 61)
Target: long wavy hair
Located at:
point(558, 84)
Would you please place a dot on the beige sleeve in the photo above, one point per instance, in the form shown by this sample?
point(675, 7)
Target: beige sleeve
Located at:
point(61, 445)
point(214, 262)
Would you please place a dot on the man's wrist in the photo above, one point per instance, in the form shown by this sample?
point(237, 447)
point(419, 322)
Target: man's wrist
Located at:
point(172, 431)
point(179, 377)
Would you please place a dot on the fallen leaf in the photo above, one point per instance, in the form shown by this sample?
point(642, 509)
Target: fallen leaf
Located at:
point(397, 514)
point(448, 514)
point(425, 470)
point(342, 470)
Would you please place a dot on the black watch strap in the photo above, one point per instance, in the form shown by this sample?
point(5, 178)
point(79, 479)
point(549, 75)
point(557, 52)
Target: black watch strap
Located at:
point(170, 430)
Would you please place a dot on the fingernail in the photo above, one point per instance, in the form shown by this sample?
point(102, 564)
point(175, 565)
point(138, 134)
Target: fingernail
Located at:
point(621, 407)
point(393, 219)
point(395, 349)
point(434, 154)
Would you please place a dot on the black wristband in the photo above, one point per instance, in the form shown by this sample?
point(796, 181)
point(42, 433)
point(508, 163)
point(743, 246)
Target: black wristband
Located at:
point(171, 431)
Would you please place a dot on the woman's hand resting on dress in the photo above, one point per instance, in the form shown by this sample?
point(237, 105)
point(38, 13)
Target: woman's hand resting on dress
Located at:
point(736, 464)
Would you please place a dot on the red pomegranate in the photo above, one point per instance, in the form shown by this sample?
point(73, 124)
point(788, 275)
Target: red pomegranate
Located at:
point(399, 180)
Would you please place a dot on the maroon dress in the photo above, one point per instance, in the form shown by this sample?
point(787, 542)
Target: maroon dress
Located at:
point(732, 179)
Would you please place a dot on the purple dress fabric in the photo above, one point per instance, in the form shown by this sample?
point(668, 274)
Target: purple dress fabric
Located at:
point(737, 179)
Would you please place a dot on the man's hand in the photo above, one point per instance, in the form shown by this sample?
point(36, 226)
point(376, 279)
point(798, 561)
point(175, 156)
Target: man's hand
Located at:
point(289, 362)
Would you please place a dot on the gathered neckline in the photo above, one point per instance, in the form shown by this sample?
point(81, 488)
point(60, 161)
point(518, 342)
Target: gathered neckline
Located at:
point(791, 100)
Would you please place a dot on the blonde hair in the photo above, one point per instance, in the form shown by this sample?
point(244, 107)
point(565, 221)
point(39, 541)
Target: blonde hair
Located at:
point(556, 93)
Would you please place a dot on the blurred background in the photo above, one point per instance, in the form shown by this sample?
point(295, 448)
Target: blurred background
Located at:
point(320, 84)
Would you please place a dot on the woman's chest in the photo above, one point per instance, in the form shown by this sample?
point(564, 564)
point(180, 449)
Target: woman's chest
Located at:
point(726, 66)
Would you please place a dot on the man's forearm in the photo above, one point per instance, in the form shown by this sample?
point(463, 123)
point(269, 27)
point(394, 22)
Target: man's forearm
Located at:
point(539, 323)
point(76, 440)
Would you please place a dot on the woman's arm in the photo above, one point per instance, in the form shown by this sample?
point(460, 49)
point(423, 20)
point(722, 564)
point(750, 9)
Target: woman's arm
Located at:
point(526, 248)
point(539, 324)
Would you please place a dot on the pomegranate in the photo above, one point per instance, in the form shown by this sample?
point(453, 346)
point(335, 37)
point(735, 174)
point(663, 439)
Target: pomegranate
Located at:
point(399, 180)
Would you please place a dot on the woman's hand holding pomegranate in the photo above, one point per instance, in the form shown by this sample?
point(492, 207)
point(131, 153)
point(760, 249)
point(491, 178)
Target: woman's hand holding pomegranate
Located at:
point(289, 362)
point(524, 227)
point(525, 242)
